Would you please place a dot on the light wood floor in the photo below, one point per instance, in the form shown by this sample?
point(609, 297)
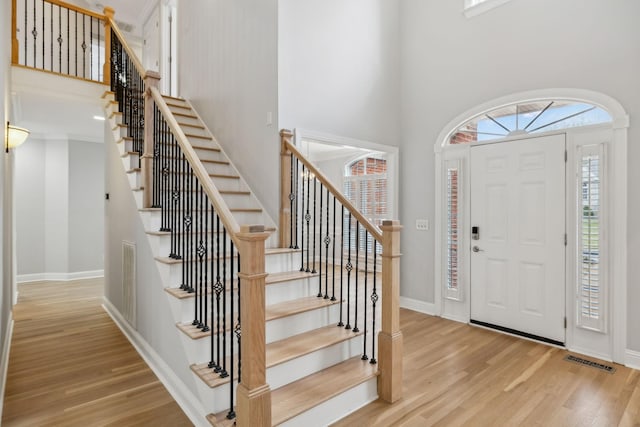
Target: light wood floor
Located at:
point(458, 375)
point(70, 365)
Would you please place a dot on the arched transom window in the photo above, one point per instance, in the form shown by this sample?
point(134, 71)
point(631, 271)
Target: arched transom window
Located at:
point(528, 118)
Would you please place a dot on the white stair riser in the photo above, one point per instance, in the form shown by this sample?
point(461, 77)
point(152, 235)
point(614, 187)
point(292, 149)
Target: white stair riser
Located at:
point(138, 197)
point(227, 184)
point(285, 327)
point(188, 120)
point(209, 155)
point(293, 370)
point(150, 220)
point(221, 169)
point(116, 119)
point(131, 161)
point(240, 201)
point(338, 406)
point(135, 179)
point(119, 132)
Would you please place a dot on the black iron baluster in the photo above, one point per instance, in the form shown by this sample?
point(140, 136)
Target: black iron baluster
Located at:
point(315, 214)
point(212, 363)
point(231, 414)
point(91, 47)
point(200, 252)
point(291, 198)
point(307, 218)
point(349, 268)
point(218, 289)
point(75, 45)
point(296, 186)
point(327, 241)
point(34, 33)
point(100, 77)
point(355, 312)
point(26, 14)
point(238, 328)
point(223, 372)
point(374, 300)
point(68, 41)
point(191, 251)
point(340, 323)
point(207, 231)
point(364, 304)
point(59, 39)
point(84, 47)
point(302, 218)
point(314, 238)
point(51, 36)
point(333, 262)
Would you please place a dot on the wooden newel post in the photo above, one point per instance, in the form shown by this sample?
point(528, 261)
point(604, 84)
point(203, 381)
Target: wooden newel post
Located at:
point(14, 33)
point(254, 394)
point(109, 13)
point(151, 79)
point(285, 189)
point(390, 336)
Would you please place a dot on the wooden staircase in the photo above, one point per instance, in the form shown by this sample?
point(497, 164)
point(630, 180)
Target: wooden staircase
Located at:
point(314, 368)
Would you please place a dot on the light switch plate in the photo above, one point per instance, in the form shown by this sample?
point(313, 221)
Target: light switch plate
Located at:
point(422, 224)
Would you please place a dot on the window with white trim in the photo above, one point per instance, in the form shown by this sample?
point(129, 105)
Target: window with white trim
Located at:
point(591, 294)
point(365, 185)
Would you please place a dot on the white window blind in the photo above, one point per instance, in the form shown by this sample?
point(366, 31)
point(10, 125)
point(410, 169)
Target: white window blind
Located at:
point(453, 228)
point(366, 186)
point(591, 291)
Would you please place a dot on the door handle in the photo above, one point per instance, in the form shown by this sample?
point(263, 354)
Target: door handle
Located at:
point(477, 249)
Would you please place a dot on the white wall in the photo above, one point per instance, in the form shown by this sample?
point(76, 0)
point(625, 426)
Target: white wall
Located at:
point(227, 66)
point(338, 67)
point(6, 249)
point(86, 206)
point(451, 63)
point(30, 206)
point(59, 211)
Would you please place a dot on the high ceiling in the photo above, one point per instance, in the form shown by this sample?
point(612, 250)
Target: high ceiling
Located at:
point(130, 14)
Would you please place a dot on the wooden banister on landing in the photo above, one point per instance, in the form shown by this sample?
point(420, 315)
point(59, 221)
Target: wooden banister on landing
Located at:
point(387, 237)
point(286, 136)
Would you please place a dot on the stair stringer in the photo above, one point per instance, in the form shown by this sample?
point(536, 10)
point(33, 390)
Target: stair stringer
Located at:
point(155, 337)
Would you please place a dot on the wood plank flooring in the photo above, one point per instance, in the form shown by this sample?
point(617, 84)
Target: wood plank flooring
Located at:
point(70, 365)
point(458, 375)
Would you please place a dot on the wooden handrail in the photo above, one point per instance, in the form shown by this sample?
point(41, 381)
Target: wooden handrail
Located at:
point(76, 8)
point(371, 228)
point(125, 45)
point(218, 202)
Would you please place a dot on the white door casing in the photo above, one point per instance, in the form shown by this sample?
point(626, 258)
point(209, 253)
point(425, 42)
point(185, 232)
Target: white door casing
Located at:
point(517, 201)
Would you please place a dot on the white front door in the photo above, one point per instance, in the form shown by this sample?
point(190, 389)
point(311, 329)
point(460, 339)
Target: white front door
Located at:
point(518, 259)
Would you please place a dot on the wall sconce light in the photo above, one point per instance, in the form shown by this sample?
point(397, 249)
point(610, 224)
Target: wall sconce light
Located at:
point(15, 136)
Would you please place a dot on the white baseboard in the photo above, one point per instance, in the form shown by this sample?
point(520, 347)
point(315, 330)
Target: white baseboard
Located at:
point(417, 305)
point(590, 353)
point(632, 359)
point(59, 277)
point(455, 318)
point(4, 360)
point(189, 403)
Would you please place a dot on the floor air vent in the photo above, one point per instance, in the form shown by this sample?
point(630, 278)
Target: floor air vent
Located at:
point(591, 363)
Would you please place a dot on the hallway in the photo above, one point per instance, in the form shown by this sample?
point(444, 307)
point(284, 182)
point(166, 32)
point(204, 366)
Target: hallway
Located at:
point(70, 365)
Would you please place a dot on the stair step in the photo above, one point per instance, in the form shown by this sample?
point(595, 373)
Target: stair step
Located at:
point(272, 312)
point(297, 306)
point(191, 126)
point(174, 98)
point(177, 105)
point(306, 393)
point(271, 279)
point(256, 210)
point(190, 135)
point(190, 116)
point(283, 351)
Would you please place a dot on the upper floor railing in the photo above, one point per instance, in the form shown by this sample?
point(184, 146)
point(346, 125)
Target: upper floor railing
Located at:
point(61, 38)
